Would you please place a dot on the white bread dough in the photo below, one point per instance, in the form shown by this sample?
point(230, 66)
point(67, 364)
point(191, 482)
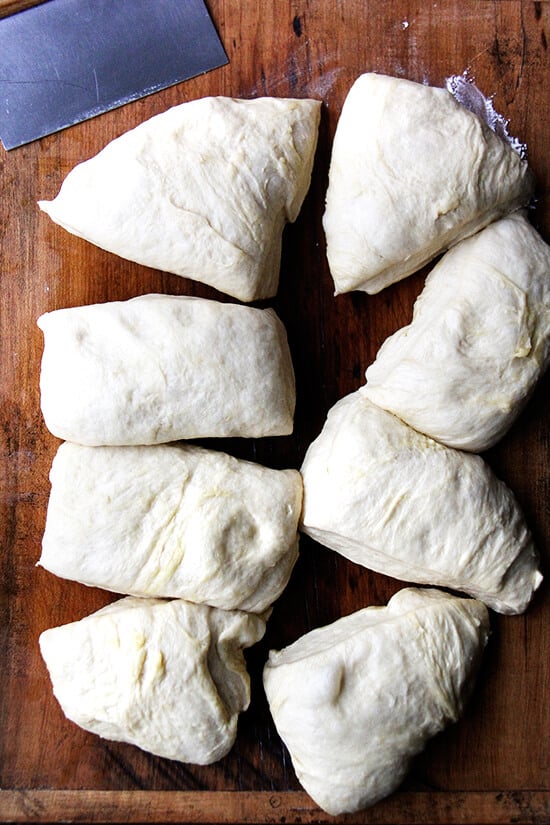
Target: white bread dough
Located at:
point(167, 676)
point(202, 190)
point(354, 701)
point(393, 500)
point(160, 368)
point(176, 521)
point(412, 172)
point(479, 340)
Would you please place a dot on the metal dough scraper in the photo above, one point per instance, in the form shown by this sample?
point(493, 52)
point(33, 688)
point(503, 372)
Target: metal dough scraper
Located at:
point(64, 61)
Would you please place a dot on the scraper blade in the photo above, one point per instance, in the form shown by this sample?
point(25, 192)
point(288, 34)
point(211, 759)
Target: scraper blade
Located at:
point(65, 61)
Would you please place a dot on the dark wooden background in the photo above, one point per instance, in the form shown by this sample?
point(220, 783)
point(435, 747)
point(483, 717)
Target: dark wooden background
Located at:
point(491, 767)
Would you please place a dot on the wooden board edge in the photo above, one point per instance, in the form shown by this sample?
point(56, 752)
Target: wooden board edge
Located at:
point(433, 808)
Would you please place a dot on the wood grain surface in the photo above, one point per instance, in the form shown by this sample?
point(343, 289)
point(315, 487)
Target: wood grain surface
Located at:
point(493, 766)
point(8, 7)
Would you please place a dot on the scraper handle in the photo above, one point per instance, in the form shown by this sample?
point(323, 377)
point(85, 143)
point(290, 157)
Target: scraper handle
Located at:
point(8, 7)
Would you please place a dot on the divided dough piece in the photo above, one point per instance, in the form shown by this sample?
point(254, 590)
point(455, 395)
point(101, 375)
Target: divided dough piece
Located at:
point(175, 521)
point(167, 676)
point(480, 338)
point(160, 368)
point(202, 190)
point(393, 500)
point(354, 701)
point(412, 172)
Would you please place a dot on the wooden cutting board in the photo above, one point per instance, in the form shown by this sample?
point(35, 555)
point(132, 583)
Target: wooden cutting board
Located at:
point(492, 767)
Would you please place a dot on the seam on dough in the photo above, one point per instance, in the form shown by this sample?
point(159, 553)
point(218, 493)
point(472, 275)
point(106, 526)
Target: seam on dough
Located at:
point(212, 228)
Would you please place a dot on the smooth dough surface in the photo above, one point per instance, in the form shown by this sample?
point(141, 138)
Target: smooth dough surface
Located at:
point(412, 172)
point(167, 676)
point(160, 368)
point(177, 521)
point(202, 190)
point(399, 503)
point(479, 340)
point(354, 701)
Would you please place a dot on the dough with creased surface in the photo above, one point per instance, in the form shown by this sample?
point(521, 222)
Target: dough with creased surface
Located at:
point(412, 172)
point(354, 701)
point(178, 521)
point(167, 676)
point(479, 340)
point(160, 368)
point(399, 503)
point(202, 190)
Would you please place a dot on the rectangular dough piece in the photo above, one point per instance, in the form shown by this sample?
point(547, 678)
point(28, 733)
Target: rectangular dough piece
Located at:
point(160, 368)
point(175, 521)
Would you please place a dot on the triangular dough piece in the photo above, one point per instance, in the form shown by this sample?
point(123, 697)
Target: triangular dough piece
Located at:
point(167, 676)
point(177, 521)
point(354, 701)
point(202, 190)
point(412, 172)
point(479, 340)
point(393, 500)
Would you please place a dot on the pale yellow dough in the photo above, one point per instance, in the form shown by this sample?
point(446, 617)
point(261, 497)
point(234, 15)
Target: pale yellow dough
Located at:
point(202, 190)
point(397, 502)
point(479, 340)
point(176, 521)
point(354, 701)
point(160, 368)
point(167, 676)
point(412, 172)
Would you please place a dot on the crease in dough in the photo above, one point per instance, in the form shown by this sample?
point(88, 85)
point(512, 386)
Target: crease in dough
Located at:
point(464, 368)
point(412, 172)
point(161, 368)
point(167, 676)
point(175, 521)
point(202, 190)
point(393, 500)
point(355, 700)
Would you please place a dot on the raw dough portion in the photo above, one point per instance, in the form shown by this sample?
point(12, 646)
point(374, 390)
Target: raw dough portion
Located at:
point(161, 368)
point(393, 500)
point(167, 676)
point(175, 521)
point(202, 190)
point(412, 172)
point(479, 339)
point(356, 700)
